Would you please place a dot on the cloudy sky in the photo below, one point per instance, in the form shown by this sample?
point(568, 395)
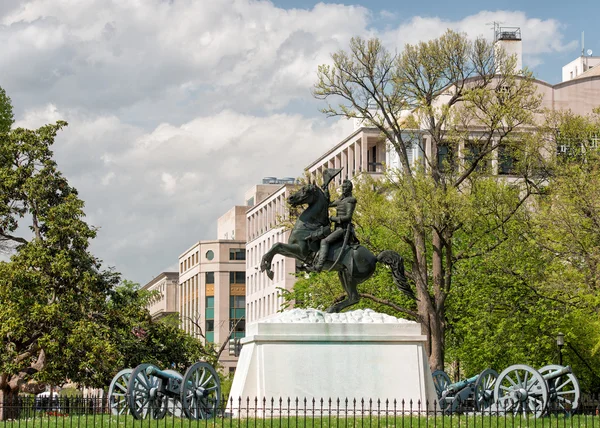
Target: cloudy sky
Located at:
point(177, 107)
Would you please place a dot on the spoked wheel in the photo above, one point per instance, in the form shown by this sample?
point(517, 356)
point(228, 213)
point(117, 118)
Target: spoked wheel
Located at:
point(200, 391)
point(563, 391)
point(521, 389)
point(174, 403)
point(484, 389)
point(117, 393)
point(144, 394)
point(441, 381)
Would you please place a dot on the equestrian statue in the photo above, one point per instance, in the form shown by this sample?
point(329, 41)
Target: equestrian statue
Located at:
point(316, 247)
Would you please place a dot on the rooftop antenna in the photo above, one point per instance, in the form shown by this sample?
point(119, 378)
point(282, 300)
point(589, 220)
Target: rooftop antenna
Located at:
point(582, 43)
point(496, 27)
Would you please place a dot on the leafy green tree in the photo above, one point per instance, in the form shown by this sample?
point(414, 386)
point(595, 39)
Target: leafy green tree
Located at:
point(542, 280)
point(6, 121)
point(52, 288)
point(62, 316)
point(471, 105)
point(6, 112)
point(567, 226)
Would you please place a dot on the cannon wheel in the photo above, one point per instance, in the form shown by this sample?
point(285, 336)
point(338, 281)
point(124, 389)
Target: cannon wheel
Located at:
point(563, 392)
point(441, 381)
point(200, 391)
point(144, 394)
point(117, 393)
point(174, 403)
point(484, 389)
point(521, 389)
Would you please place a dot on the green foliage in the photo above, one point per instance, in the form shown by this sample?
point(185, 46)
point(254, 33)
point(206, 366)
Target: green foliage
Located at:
point(467, 235)
point(6, 112)
point(62, 316)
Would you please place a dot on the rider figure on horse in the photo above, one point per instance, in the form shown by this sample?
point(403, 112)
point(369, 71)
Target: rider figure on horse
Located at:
point(344, 229)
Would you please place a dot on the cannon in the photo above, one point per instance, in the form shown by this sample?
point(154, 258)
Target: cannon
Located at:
point(151, 391)
point(147, 390)
point(474, 393)
point(117, 393)
point(522, 389)
point(118, 401)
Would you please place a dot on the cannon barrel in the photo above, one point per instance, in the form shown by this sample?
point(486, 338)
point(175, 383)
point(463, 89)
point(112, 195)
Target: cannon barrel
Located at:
point(155, 371)
point(557, 373)
point(454, 387)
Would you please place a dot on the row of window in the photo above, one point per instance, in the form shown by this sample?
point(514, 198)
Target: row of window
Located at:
point(234, 277)
point(234, 254)
point(237, 315)
point(447, 159)
point(351, 159)
point(267, 305)
point(266, 218)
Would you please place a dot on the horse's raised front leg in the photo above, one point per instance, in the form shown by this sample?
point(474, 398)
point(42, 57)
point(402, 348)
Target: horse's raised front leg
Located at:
point(287, 250)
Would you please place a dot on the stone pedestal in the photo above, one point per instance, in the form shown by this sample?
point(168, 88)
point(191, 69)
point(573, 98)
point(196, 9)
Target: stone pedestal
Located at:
point(354, 355)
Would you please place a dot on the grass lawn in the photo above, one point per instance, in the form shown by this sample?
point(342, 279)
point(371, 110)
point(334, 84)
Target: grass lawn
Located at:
point(285, 421)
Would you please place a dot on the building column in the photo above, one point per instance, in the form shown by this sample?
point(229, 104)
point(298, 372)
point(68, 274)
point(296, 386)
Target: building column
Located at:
point(363, 153)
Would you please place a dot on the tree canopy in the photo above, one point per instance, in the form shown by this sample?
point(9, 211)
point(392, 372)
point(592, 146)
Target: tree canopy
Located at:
point(463, 104)
point(62, 314)
point(6, 112)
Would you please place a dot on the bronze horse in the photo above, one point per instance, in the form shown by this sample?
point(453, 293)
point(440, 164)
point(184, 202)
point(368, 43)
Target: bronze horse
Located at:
point(354, 265)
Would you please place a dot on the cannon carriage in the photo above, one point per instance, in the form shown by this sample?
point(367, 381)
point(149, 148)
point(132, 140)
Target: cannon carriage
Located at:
point(147, 390)
point(520, 389)
point(472, 394)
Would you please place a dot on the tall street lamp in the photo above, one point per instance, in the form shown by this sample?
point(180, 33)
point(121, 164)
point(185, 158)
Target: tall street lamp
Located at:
point(560, 342)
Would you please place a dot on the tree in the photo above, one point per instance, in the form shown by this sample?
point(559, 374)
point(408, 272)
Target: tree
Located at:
point(470, 103)
point(6, 112)
point(53, 289)
point(62, 315)
point(6, 121)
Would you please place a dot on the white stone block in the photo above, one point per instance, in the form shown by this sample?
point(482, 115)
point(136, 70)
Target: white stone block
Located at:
point(360, 355)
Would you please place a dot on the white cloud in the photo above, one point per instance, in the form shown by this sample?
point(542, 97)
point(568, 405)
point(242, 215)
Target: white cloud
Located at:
point(116, 55)
point(539, 36)
point(176, 108)
point(169, 183)
point(155, 193)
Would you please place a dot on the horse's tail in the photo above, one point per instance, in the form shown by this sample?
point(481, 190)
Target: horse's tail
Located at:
point(396, 264)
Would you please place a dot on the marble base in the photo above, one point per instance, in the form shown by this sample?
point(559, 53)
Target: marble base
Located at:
point(308, 354)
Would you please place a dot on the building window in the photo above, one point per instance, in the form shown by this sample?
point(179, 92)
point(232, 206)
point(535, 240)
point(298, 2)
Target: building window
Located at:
point(237, 277)
point(210, 319)
point(445, 157)
point(506, 160)
point(472, 153)
point(237, 254)
point(209, 277)
point(237, 316)
point(210, 255)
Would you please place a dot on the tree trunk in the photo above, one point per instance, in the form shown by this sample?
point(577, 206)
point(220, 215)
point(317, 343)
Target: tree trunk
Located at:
point(436, 315)
point(431, 309)
point(436, 356)
point(9, 408)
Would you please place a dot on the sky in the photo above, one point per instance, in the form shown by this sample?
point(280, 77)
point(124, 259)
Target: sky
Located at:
point(177, 107)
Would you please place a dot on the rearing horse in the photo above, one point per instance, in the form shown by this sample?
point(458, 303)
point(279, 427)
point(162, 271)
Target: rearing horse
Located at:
point(354, 265)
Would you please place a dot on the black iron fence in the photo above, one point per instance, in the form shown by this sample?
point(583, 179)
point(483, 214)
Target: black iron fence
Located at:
point(67, 412)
